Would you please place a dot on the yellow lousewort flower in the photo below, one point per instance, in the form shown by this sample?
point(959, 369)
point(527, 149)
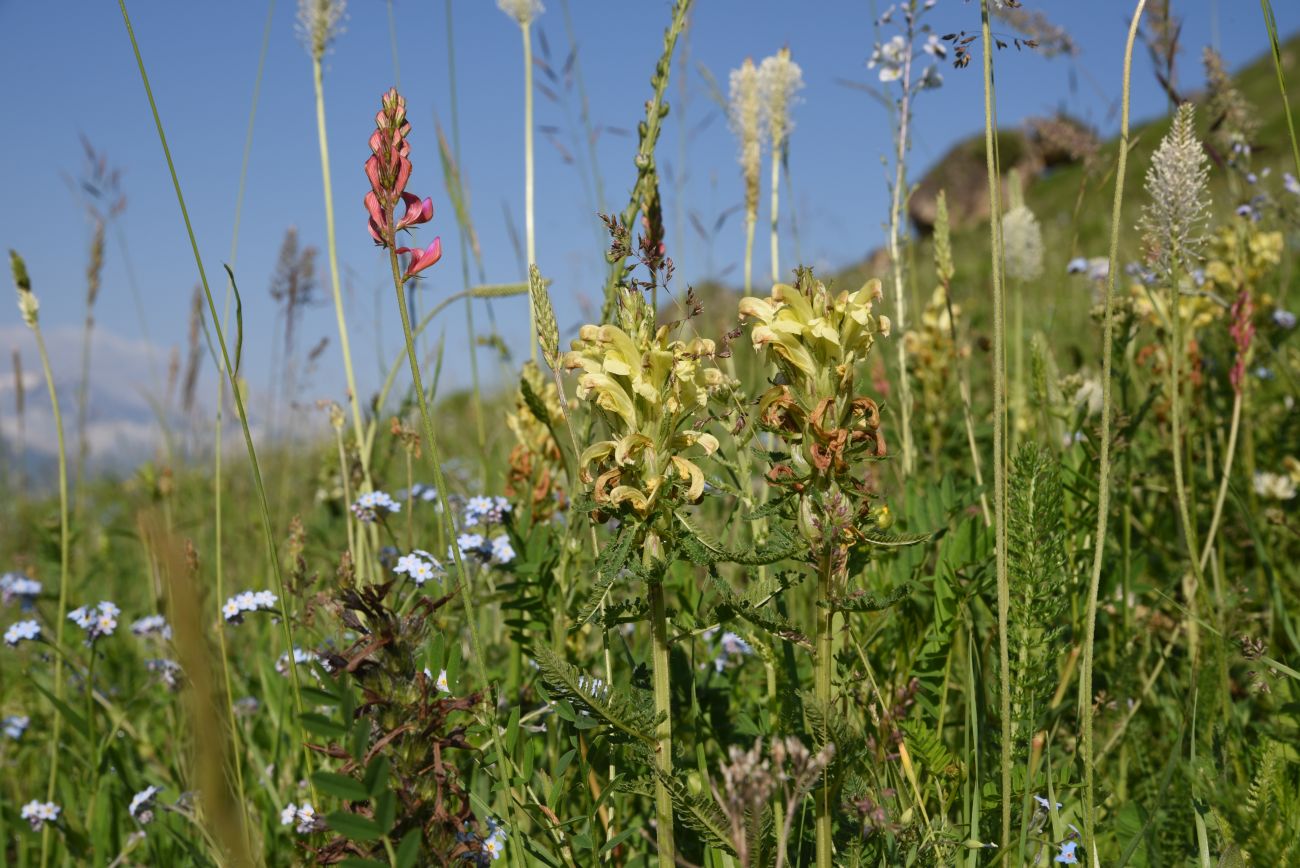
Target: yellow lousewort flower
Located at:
point(535, 460)
point(816, 340)
point(813, 337)
point(1234, 264)
point(931, 352)
point(648, 388)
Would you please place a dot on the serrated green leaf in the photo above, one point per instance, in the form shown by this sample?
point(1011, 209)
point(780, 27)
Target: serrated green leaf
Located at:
point(611, 562)
point(703, 549)
point(629, 718)
point(864, 602)
point(894, 540)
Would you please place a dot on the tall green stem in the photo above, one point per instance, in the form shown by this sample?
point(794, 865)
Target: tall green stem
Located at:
point(1177, 349)
point(999, 421)
point(824, 663)
point(777, 150)
point(751, 221)
point(328, 187)
point(895, 229)
point(664, 728)
point(448, 520)
point(530, 230)
point(65, 537)
point(1103, 472)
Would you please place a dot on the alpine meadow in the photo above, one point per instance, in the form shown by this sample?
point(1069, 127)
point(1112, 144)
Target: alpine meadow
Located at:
point(974, 541)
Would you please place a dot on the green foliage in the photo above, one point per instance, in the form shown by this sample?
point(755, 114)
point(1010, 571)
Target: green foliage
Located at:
point(1039, 584)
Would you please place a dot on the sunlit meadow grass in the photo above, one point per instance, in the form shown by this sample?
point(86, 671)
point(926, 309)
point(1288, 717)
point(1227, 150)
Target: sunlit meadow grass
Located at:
point(935, 564)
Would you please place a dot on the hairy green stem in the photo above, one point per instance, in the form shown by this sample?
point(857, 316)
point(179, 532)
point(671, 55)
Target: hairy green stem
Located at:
point(1103, 471)
point(664, 728)
point(1176, 435)
point(824, 662)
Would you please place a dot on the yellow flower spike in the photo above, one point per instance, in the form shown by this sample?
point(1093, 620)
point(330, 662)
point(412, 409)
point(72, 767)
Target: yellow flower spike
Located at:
point(627, 447)
point(795, 301)
point(621, 356)
point(627, 494)
point(597, 451)
point(759, 308)
point(690, 470)
point(610, 396)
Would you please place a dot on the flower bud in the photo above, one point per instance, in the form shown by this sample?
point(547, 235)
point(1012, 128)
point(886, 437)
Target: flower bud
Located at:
point(27, 303)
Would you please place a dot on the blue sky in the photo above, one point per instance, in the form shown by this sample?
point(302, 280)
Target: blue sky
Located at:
point(68, 70)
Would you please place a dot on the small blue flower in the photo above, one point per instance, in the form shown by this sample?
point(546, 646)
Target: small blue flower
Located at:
point(142, 803)
point(1077, 265)
point(420, 567)
point(731, 647)
point(22, 630)
point(16, 586)
point(369, 506)
point(1046, 805)
point(470, 545)
point(1283, 319)
point(1067, 855)
point(1264, 373)
point(40, 813)
point(152, 625)
point(241, 604)
point(168, 671)
point(1291, 184)
point(97, 621)
point(486, 510)
point(15, 725)
point(502, 551)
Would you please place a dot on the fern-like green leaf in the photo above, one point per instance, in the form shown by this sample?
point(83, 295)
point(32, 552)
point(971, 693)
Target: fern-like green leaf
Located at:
point(629, 717)
point(755, 606)
point(611, 562)
point(699, 812)
point(704, 549)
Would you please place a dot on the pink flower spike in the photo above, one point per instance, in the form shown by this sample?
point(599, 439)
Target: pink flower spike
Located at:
point(376, 218)
point(417, 212)
point(403, 174)
point(422, 259)
point(372, 173)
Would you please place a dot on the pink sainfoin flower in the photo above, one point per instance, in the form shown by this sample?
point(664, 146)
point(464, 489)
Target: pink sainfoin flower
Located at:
point(389, 168)
point(1242, 331)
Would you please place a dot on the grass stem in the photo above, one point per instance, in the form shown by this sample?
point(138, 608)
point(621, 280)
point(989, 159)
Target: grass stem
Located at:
point(1103, 470)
